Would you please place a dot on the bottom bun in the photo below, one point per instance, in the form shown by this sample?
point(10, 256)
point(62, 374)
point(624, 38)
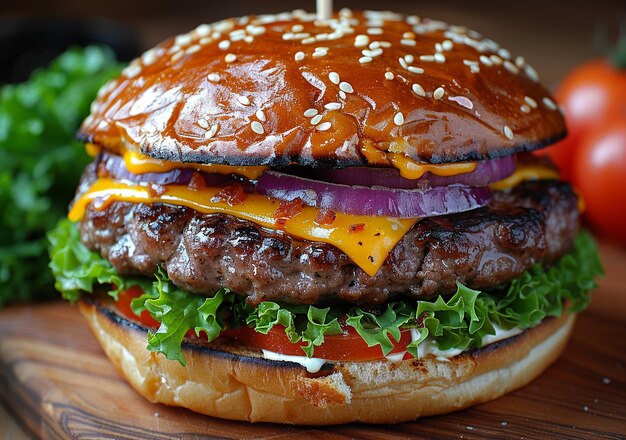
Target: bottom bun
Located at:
point(229, 381)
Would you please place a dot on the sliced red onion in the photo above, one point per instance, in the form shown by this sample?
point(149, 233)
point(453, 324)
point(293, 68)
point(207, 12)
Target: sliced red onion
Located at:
point(377, 201)
point(486, 172)
point(116, 169)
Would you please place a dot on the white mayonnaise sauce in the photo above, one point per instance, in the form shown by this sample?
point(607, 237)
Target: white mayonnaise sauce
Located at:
point(427, 347)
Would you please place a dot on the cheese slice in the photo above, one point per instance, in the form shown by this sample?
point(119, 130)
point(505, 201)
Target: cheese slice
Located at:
point(367, 246)
point(525, 172)
point(138, 163)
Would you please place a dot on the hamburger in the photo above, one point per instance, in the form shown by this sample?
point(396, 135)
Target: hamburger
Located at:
point(317, 222)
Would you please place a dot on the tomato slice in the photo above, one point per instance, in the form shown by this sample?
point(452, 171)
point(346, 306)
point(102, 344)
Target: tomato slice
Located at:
point(348, 346)
point(123, 306)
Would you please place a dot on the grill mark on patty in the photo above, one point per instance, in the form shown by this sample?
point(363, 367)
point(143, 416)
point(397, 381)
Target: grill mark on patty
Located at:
point(487, 247)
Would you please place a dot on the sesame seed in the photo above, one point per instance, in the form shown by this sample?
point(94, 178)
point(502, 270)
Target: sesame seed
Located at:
point(310, 112)
point(301, 36)
point(299, 56)
point(520, 61)
point(183, 40)
point(177, 56)
point(414, 69)
point(248, 39)
point(403, 63)
point(524, 108)
point(485, 60)
point(429, 58)
point(204, 41)
point(342, 94)
point(213, 77)
point(335, 35)
point(375, 31)
point(549, 103)
point(474, 69)
point(530, 101)
point(418, 90)
point(260, 114)
point(532, 73)
point(203, 123)
point(361, 40)
point(372, 53)
point(287, 36)
point(440, 58)
point(346, 87)
point(409, 35)
point(332, 106)
point(148, 57)
point(224, 44)
point(504, 53)
point(316, 119)
point(438, 94)
point(203, 30)
point(447, 45)
point(309, 40)
point(438, 47)
point(257, 127)
point(407, 42)
point(398, 119)
point(389, 76)
point(209, 134)
point(508, 132)
point(364, 60)
point(297, 28)
point(495, 59)
point(334, 77)
point(385, 44)
point(511, 67)
point(135, 69)
point(374, 45)
point(230, 58)
point(323, 126)
point(470, 62)
point(243, 100)
point(409, 58)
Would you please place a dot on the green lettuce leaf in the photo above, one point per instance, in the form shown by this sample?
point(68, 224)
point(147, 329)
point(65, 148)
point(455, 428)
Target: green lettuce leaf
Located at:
point(458, 322)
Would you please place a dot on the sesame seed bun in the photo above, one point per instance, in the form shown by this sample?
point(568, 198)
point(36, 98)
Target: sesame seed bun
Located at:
point(229, 381)
point(287, 89)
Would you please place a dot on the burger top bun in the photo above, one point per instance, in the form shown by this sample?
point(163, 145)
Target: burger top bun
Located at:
point(351, 91)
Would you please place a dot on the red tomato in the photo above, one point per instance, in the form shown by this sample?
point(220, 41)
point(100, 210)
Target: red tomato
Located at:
point(599, 170)
point(588, 95)
point(123, 305)
point(349, 346)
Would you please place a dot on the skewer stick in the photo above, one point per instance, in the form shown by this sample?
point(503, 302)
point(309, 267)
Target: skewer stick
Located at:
point(324, 9)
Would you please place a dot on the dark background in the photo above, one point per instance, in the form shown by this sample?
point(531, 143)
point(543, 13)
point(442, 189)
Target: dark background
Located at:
point(553, 36)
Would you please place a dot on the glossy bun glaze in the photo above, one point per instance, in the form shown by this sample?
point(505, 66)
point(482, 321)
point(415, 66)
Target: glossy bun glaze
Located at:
point(358, 89)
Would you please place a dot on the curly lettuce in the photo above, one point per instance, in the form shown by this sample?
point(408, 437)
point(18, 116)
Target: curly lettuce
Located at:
point(458, 322)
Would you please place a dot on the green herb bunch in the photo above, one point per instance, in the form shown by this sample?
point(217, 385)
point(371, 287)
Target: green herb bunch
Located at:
point(40, 162)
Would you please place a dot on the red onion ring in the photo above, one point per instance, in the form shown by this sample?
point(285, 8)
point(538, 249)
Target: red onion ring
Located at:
point(486, 172)
point(377, 201)
point(115, 167)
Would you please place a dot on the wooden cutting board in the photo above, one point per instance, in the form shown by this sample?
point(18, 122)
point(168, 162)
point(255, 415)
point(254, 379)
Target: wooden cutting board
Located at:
point(55, 379)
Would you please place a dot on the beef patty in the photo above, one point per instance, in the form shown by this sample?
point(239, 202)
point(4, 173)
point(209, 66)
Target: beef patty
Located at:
point(484, 248)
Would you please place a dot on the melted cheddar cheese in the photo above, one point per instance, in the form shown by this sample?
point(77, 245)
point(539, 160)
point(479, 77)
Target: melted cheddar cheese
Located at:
point(409, 168)
point(367, 247)
point(525, 172)
point(138, 163)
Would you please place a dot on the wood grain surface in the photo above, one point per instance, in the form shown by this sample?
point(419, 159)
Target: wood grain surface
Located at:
point(56, 380)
